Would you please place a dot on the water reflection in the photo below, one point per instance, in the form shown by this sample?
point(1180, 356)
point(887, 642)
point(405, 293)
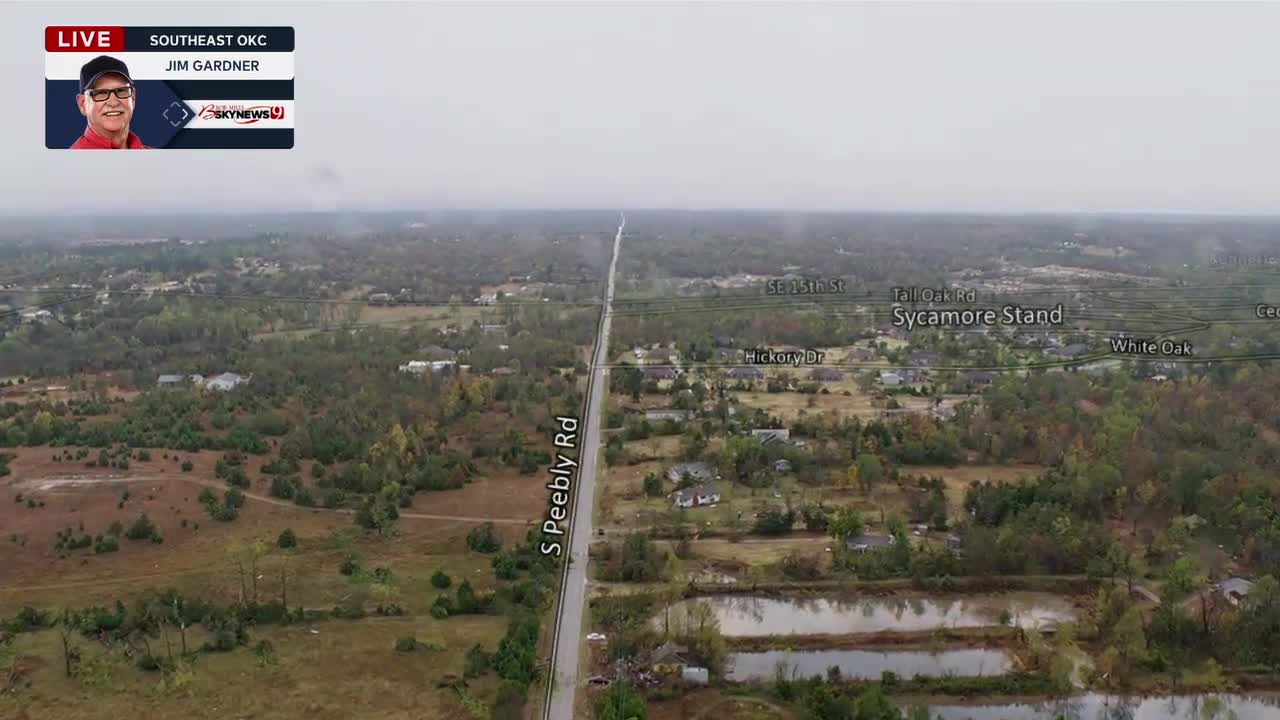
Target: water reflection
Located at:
point(1111, 707)
point(867, 664)
point(748, 615)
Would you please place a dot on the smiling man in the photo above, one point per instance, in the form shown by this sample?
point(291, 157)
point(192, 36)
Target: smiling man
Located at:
point(106, 100)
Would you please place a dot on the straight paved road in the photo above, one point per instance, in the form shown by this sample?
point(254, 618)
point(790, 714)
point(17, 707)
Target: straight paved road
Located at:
point(567, 643)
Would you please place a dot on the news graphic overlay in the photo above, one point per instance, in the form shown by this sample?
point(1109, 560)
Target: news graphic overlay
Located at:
point(135, 88)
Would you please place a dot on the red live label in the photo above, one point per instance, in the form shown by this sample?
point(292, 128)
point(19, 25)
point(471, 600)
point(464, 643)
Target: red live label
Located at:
point(75, 38)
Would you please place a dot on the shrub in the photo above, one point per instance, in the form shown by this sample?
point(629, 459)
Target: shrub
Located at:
point(187, 466)
point(349, 566)
point(287, 539)
point(282, 487)
point(476, 662)
point(142, 529)
point(439, 612)
point(406, 644)
point(440, 580)
point(106, 544)
point(303, 498)
point(484, 539)
point(207, 498)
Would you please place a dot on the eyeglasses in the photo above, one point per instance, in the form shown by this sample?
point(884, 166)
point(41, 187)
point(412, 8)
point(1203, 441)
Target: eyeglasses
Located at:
point(122, 93)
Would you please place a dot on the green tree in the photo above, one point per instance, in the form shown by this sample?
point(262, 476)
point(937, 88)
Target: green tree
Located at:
point(870, 471)
point(621, 702)
point(845, 524)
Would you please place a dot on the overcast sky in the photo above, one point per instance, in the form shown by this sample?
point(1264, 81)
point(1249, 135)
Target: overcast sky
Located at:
point(1097, 107)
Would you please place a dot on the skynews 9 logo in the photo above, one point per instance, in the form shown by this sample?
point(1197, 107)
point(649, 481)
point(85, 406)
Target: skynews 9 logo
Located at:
point(241, 114)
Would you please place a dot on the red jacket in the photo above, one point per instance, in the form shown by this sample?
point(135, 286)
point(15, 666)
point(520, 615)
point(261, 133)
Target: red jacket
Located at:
point(91, 140)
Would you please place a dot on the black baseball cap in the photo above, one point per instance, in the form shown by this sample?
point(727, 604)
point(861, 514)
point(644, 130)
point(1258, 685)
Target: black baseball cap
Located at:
point(99, 66)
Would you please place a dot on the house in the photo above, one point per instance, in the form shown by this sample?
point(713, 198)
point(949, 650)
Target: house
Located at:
point(910, 376)
point(944, 411)
point(874, 543)
point(782, 465)
point(1234, 589)
point(487, 299)
point(953, 541)
point(667, 657)
point(1067, 351)
point(890, 379)
point(771, 435)
point(169, 381)
point(745, 373)
point(417, 367)
point(225, 381)
point(36, 316)
point(503, 371)
point(923, 359)
point(195, 379)
point(660, 414)
point(862, 355)
point(380, 298)
point(724, 341)
point(694, 675)
point(493, 329)
point(435, 352)
point(660, 373)
point(701, 494)
point(979, 378)
point(725, 355)
point(696, 471)
point(826, 375)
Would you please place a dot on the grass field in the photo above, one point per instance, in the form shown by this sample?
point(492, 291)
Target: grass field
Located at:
point(345, 669)
point(792, 405)
point(434, 315)
point(959, 478)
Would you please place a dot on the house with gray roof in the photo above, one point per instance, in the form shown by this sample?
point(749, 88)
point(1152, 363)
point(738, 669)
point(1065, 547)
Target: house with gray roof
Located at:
point(225, 381)
point(869, 543)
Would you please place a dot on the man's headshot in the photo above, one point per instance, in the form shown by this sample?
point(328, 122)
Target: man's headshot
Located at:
point(106, 100)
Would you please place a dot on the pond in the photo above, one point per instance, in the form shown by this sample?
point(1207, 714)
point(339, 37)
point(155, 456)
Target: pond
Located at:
point(1110, 707)
point(867, 664)
point(753, 615)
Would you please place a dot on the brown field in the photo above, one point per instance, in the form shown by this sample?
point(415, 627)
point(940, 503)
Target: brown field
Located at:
point(658, 446)
point(792, 405)
point(434, 315)
point(194, 557)
point(61, 389)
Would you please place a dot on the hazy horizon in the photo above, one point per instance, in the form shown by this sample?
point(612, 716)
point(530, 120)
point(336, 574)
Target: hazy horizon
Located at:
point(1044, 109)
